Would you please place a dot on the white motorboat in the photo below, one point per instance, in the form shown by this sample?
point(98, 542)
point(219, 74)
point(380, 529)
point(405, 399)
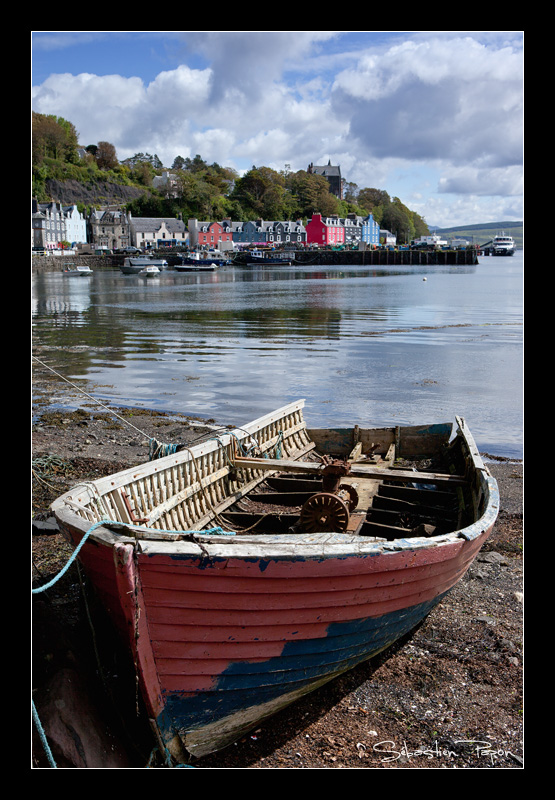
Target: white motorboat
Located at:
point(149, 272)
point(198, 261)
point(134, 264)
point(77, 270)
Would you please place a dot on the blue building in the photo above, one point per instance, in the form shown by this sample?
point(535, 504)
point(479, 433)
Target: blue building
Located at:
point(370, 230)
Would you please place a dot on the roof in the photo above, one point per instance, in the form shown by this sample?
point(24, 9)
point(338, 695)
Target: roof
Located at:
point(327, 170)
point(154, 224)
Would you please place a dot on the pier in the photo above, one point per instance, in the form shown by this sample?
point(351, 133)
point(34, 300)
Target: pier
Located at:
point(381, 257)
point(304, 258)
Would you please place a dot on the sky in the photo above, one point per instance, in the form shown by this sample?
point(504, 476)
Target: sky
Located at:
point(434, 118)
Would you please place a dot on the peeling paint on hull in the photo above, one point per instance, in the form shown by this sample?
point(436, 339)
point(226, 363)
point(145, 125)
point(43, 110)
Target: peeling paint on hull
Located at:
point(220, 717)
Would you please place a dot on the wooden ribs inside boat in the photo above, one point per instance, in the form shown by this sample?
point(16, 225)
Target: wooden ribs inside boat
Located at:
point(368, 493)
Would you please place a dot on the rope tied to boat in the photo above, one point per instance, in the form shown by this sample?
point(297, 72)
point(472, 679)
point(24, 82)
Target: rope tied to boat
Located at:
point(159, 449)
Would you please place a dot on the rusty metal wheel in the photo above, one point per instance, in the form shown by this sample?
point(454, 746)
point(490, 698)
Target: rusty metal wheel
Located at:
point(324, 512)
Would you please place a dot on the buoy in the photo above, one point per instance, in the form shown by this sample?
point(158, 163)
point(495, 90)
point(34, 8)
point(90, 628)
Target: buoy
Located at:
point(424, 279)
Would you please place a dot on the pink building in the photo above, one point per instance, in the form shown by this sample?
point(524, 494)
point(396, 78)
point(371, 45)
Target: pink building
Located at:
point(328, 231)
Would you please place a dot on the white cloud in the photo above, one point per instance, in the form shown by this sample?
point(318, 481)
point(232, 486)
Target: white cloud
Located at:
point(503, 182)
point(439, 108)
point(438, 99)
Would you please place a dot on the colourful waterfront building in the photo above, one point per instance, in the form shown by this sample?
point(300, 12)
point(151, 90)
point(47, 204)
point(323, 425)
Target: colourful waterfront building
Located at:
point(370, 231)
point(324, 231)
point(208, 234)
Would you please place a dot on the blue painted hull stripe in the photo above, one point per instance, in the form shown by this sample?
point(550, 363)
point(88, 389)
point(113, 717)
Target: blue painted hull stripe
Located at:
point(244, 685)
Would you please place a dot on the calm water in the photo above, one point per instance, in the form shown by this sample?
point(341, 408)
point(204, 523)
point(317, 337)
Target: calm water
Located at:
point(367, 346)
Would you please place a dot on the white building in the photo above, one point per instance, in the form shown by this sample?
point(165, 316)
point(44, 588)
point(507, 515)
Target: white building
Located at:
point(53, 224)
point(166, 182)
point(75, 225)
point(157, 232)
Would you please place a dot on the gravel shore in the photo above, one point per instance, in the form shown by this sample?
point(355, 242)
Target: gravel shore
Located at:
point(448, 696)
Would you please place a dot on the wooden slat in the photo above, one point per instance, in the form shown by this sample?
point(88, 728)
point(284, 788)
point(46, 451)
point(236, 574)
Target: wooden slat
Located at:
point(187, 494)
point(359, 470)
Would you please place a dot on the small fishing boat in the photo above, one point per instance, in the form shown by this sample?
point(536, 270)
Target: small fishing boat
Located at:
point(197, 260)
point(149, 272)
point(261, 258)
point(250, 569)
point(74, 270)
point(134, 265)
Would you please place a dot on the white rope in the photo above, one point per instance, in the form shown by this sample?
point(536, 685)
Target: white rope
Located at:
point(91, 398)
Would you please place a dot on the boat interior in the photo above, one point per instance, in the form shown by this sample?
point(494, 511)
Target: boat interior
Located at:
point(368, 491)
point(277, 477)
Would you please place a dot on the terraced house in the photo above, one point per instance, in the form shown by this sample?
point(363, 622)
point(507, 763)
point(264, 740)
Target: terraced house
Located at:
point(265, 232)
point(216, 235)
point(53, 223)
point(109, 228)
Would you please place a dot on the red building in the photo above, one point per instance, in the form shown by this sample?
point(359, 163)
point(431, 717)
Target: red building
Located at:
point(328, 231)
point(210, 234)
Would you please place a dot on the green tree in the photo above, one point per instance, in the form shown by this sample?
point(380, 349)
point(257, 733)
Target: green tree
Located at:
point(398, 219)
point(143, 173)
point(370, 198)
point(260, 192)
point(311, 194)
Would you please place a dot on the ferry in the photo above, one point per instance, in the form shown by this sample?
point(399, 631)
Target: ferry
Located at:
point(503, 245)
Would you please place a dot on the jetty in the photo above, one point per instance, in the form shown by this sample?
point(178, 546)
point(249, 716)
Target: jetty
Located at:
point(373, 257)
point(380, 257)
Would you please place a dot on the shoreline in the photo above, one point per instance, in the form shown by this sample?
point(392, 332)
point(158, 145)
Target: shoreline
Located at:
point(457, 676)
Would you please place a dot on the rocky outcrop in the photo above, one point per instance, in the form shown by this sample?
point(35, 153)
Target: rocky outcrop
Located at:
point(100, 193)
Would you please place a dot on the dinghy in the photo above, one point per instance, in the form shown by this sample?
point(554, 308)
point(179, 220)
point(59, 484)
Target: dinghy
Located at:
point(252, 568)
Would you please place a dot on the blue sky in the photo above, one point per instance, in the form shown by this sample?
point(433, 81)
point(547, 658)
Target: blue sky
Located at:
point(433, 117)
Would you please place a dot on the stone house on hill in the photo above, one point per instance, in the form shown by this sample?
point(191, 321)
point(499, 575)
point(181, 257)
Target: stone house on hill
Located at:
point(333, 175)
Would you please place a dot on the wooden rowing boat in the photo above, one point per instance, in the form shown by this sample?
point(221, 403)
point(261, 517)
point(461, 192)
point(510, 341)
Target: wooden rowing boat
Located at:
point(254, 567)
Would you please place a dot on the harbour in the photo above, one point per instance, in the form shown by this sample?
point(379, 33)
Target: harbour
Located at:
point(379, 342)
point(306, 257)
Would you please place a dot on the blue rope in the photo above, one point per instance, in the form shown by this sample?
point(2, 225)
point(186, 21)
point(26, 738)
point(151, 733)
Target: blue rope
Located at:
point(43, 739)
point(71, 559)
point(159, 450)
point(40, 729)
point(209, 531)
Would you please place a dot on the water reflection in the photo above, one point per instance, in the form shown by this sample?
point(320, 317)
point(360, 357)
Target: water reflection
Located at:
point(374, 346)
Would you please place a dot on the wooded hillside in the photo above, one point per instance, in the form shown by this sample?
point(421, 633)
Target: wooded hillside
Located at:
point(92, 176)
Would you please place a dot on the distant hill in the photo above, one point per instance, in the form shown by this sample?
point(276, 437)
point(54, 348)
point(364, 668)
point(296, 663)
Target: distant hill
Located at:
point(483, 232)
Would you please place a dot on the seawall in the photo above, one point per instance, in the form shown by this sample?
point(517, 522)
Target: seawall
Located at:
point(300, 257)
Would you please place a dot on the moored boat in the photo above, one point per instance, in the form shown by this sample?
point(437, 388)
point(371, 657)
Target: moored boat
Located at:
point(134, 264)
point(263, 258)
point(503, 245)
point(197, 261)
point(250, 569)
point(72, 269)
point(149, 272)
